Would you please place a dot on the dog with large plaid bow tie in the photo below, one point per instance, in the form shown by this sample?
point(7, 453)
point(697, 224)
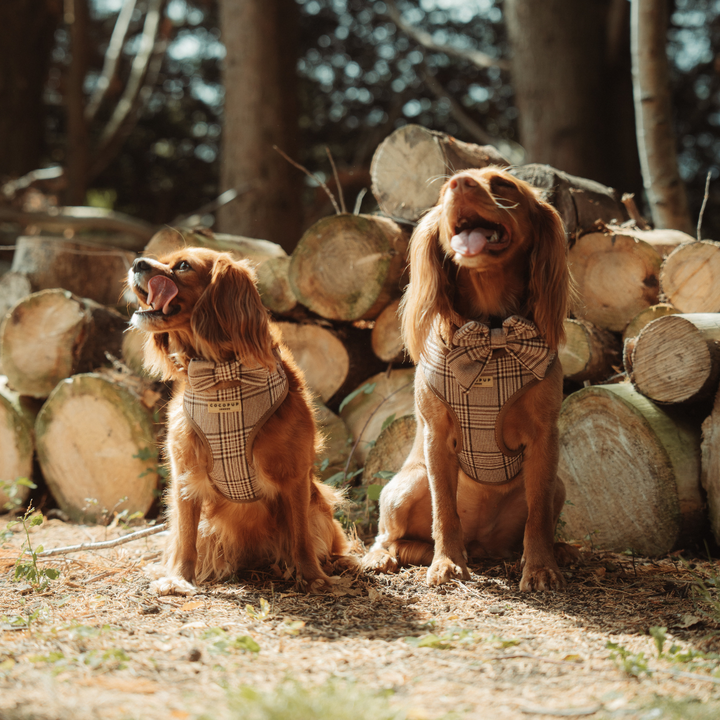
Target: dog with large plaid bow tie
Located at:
point(241, 433)
point(482, 317)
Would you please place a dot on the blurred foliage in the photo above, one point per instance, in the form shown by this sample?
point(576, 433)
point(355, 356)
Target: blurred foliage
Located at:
point(360, 78)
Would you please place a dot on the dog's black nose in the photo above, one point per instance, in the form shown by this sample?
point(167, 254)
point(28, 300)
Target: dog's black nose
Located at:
point(141, 266)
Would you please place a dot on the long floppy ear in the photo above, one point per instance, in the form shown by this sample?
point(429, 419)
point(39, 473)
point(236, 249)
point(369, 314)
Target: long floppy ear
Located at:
point(157, 360)
point(549, 274)
point(427, 294)
point(229, 320)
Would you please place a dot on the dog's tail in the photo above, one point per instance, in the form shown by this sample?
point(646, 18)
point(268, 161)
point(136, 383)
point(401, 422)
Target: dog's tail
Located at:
point(412, 552)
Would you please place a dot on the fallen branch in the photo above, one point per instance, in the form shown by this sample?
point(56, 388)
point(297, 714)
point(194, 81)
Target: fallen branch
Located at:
point(105, 544)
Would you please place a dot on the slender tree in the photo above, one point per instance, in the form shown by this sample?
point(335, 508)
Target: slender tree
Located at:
point(653, 111)
point(260, 112)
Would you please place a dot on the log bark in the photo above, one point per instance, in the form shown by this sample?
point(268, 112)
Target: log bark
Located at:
point(410, 166)
point(338, 444)
point(676, 358)
point(589, 352)
point(349, 267)
point(17, 440)
point(97, 448)
point(387, 342)
point(580, 202)
point(689, 277)
point(616, 277)
point(319, 354)
point(663, 240)
point(390, 450)
point(710, 466)
point(85, 268)
point(14, 286)
point(270, 261)
point(391, 394)
point(631, 471)
point(646, 316)
point(53, 334)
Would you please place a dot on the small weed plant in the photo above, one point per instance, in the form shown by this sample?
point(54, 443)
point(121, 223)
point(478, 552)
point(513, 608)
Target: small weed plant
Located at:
point(26, 566)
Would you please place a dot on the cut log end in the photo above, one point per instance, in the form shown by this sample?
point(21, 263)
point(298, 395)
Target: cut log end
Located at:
point(689, 277)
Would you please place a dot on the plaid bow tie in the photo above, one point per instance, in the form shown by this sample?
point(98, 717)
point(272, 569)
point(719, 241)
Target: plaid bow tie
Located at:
point(472, 346)
point(203, 375)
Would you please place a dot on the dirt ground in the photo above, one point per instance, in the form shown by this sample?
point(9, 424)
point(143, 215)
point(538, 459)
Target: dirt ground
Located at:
point(96, 644)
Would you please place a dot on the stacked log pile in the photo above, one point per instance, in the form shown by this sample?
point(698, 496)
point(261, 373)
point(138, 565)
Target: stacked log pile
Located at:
point(640, 358)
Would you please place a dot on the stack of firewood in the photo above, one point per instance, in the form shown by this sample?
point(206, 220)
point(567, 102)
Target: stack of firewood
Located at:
point(95, 431)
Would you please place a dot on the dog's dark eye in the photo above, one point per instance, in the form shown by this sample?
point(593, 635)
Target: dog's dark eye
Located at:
point(182, 266)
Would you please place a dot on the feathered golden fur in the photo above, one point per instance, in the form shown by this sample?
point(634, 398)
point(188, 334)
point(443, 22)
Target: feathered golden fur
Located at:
point(432, 512)
point(217, 315)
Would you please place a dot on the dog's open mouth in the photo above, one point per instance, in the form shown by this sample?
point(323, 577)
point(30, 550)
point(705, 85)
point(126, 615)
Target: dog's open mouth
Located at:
point(160, 294)
point(475, 235)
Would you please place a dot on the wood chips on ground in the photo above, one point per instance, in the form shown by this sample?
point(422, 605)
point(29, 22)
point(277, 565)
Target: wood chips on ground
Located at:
point(97, 644)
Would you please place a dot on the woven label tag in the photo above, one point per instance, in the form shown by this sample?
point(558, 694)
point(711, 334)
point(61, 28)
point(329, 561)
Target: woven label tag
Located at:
point(224, 406)
point(485, 382)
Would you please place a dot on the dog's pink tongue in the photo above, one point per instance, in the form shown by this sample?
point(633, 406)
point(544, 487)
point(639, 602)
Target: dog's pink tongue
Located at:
point(470, 242)
point(161, 291)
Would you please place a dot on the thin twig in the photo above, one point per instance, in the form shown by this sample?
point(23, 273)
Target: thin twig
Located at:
point(358, 201)
point(222, 199)
point(105, 544)
point(704, 203)
point(337, 179)
point(312, 175)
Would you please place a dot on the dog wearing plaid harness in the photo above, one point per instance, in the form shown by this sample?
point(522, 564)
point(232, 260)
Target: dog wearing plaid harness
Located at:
point(478, 377)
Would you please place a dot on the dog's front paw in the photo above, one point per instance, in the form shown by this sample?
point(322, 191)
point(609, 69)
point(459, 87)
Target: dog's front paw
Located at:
point(172, 586)
point(379, 561)
point(541, 579)
point(445, 569)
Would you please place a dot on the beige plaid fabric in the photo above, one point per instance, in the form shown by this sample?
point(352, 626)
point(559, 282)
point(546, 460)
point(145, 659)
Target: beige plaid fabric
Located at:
point(227, 403)
point(483, 371)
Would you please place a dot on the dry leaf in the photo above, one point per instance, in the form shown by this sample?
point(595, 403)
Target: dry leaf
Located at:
point(192, 605)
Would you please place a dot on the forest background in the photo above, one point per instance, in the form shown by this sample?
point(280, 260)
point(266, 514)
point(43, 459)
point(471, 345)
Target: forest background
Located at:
point(159, 119)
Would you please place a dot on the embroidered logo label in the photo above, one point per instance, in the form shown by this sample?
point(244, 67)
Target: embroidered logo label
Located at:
point(224, 406)
point(485, 382)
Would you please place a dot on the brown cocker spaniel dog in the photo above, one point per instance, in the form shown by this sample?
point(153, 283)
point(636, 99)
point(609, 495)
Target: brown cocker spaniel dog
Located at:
point(241, 435)
point(482, 317)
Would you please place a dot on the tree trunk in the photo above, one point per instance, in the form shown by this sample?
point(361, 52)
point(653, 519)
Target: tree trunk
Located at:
point(17, 440)
point(589, 353)
point(97, 448)
point(53, 334)
point(410, 166)
point(677, 358)
point(390, 394)
point(260, 112)
point(349, 267)
point(390, 450)
point(631, 471)
point(84, 268)
point(387, 342)
point(27, 29)
point(689, 277)
point(570, 72)
point(319, 354)
point(616, 277)
point(653, 113)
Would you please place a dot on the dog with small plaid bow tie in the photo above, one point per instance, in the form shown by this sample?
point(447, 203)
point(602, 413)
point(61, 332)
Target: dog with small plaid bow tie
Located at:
point(482, 318)
point(241, 433)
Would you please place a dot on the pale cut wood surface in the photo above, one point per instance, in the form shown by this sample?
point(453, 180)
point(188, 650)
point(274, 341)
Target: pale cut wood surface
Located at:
point(53, 334)
point(631, 471)
point(319, 354)
point(349, 267)
point(338, 444)
point(710, 466)
point(616, 278)
point(365, 414)
point(646, 316)
point(386, 337)
point(410, 166)
point(664, 240)
point(675, 358)
point(390, 450)
point(588, 353)
point(689, 277)
point(274, 285)
point(97, 444)
point(14, 286)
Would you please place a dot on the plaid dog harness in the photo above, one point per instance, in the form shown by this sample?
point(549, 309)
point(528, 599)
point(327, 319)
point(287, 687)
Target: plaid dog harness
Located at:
point(478, 377)
point(227, 403)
